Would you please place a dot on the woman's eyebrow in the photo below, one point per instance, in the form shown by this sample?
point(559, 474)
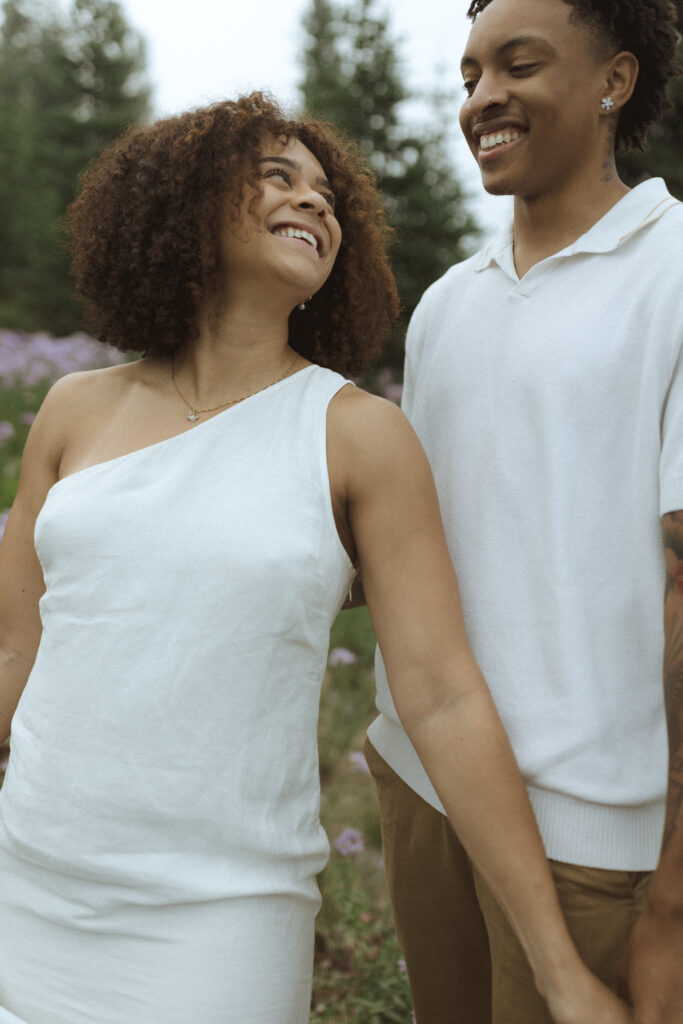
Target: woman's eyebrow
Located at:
point(294, 164)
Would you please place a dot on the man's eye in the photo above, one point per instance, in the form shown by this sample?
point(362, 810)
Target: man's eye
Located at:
point(522, 68)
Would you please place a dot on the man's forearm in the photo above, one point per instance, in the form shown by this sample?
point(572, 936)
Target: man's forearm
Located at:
point(653, 967)
point(672, 843)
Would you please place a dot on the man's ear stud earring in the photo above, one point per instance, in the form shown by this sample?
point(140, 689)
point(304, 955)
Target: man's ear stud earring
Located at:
point(606, 102)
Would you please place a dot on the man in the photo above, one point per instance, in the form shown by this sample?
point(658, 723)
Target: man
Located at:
point(544, 379)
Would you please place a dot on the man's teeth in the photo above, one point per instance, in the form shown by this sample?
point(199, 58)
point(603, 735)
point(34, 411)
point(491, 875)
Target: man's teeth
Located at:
point(490, 141)
point(288, 232)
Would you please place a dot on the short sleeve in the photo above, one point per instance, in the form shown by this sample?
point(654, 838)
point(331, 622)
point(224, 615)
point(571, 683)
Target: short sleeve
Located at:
point(671, 462)
point(414, 343)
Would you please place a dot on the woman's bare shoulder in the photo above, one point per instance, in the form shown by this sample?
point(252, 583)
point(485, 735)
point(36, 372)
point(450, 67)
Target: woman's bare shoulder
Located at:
point(73, 401)
point(353, 407)
point(90, 387)
point(372, 448)
point(372, 424)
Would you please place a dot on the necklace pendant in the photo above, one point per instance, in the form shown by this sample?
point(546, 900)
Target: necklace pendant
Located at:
point(193, 415)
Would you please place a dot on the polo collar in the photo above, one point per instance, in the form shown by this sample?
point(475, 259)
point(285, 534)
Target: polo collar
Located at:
point(643, 205)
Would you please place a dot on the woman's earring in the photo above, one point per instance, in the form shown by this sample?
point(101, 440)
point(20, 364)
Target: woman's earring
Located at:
point(606, 102)
point(302, 305)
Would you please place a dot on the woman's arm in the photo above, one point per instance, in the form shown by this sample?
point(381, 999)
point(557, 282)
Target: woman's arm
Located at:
point(21, 577)
point(440, 694)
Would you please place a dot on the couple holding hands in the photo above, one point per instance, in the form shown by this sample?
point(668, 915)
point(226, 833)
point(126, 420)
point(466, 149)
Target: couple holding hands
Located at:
point(188, 525)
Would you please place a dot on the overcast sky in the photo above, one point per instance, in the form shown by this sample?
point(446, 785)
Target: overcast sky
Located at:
point(203, 50)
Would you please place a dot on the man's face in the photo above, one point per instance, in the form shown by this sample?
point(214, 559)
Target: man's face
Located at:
point(534, 80)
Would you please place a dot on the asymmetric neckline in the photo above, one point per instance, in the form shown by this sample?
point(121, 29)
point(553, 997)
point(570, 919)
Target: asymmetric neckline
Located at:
point(203, 424)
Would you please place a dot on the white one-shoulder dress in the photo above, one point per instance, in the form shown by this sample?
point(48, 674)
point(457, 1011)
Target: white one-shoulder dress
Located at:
point(159, 822)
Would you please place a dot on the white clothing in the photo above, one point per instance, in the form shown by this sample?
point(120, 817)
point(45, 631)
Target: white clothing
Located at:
point(551, 410)
point(159, 829)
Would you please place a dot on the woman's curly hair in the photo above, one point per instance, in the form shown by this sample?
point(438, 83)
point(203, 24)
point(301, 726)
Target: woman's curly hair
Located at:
point(145, 231)
point(646, 28)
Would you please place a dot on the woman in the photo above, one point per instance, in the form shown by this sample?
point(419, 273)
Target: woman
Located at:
point(198, 515)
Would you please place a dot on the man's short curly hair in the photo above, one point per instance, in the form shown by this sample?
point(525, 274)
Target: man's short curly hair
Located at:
point(646, 28)
point(145, 230)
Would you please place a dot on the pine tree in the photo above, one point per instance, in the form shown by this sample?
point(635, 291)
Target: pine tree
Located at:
point(663, 153)
point(20, 208)
point(353, 77)
point(67, 87)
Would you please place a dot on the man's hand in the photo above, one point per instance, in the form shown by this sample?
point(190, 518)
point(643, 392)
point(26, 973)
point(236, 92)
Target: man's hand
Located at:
point(653, 968)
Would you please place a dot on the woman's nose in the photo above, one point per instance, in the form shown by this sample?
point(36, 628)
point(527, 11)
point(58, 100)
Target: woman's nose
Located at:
point(309, 199)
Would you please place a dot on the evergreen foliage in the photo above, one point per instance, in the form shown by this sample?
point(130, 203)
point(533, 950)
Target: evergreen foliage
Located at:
point(663, 152)
point(353, 78)
point(68, 86)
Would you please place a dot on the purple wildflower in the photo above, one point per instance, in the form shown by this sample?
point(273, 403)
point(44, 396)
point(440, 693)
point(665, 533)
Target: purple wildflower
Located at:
point(6, 430)
point(30, 358)
point(394, 392)
point(341, 656)
point(357, 761)
point(3, 521)
point(401, 964)
point(349, 843)
point(387, 386)
point(27, 418)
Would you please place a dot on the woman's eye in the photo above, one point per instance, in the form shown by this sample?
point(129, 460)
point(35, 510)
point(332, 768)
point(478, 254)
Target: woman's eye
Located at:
point(329, 198)
point(521, 68)
point(469, 87)
point(278, 172)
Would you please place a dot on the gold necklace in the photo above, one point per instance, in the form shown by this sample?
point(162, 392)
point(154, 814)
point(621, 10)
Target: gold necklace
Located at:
point(194, 414)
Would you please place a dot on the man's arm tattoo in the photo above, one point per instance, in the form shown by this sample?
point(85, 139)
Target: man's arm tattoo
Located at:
point(672, 524)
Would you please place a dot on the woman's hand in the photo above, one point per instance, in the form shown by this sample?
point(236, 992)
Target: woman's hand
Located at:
point(587, 1001)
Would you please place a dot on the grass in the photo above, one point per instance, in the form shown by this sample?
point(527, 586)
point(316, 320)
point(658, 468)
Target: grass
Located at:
point(358, 967)
point(17, 406)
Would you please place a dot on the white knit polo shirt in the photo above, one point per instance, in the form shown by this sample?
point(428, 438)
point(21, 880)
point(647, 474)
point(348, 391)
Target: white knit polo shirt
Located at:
point(551, 410)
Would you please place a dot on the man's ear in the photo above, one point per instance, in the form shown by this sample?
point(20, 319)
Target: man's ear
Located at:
point(620, 78)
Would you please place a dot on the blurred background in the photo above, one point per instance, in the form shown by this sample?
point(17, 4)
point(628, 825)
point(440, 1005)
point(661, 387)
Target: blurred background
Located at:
point(73, 75)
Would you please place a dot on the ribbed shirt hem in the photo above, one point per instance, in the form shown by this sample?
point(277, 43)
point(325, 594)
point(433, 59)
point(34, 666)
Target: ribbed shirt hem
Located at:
point(574, 831)
point(671, 496)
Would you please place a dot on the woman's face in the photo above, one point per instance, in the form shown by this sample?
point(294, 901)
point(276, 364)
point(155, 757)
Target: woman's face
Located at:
point(287, 231)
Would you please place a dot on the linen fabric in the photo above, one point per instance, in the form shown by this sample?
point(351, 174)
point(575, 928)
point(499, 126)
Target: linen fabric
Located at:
point(551, 410)
point(159, 828)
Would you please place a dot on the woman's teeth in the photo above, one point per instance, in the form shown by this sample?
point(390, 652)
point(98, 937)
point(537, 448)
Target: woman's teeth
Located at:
point(298, 233)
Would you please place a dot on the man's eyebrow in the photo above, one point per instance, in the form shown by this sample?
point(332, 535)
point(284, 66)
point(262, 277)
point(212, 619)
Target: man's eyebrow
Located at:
point(294, 164)
point(538, 42)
